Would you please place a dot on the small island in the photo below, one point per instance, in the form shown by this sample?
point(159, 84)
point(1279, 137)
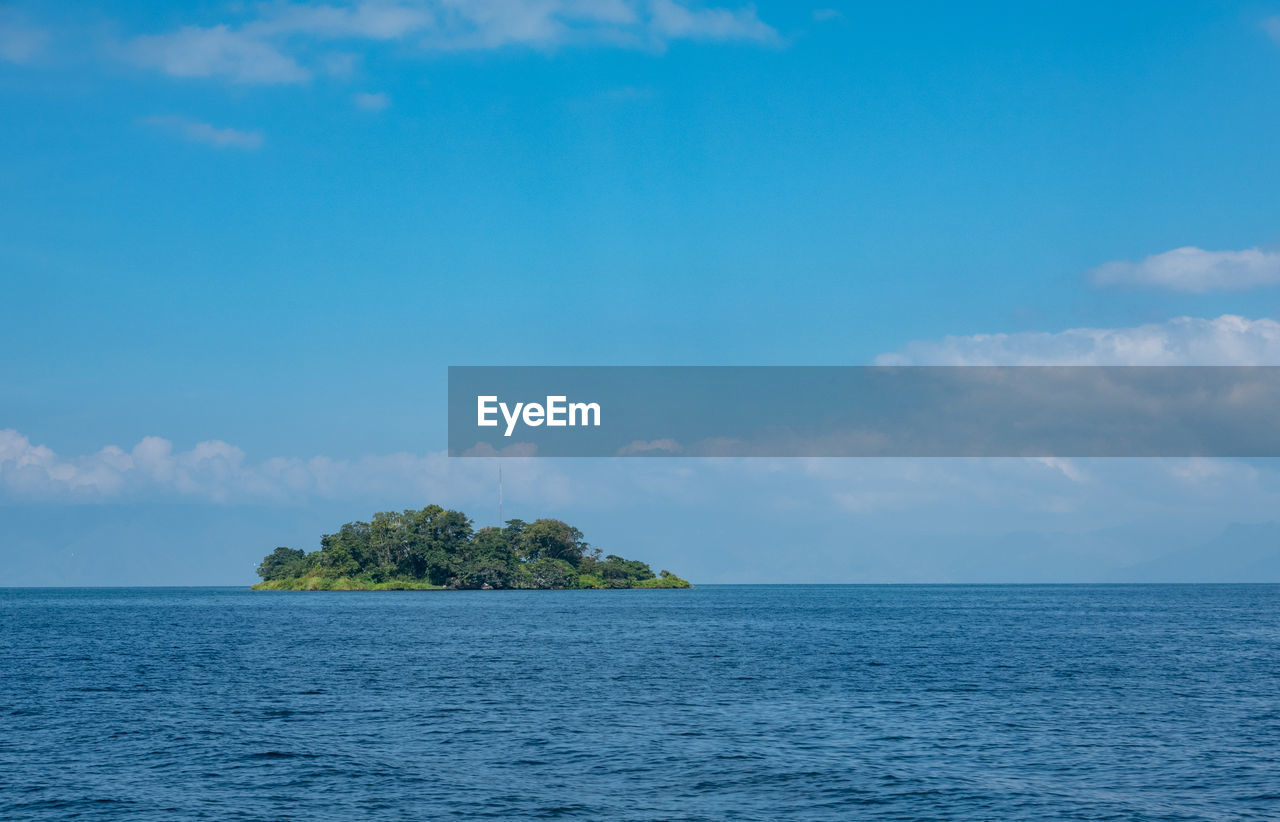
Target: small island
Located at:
point(438, 549)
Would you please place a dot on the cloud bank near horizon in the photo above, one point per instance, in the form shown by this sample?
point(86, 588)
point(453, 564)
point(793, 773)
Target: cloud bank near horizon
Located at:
point(219, 472)
point(1226, 340)
point(962, 493)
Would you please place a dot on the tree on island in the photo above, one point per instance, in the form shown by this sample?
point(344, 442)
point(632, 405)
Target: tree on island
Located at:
point(438, 548)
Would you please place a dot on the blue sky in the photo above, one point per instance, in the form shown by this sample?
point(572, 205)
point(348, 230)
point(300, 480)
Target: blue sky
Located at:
point(271, 227)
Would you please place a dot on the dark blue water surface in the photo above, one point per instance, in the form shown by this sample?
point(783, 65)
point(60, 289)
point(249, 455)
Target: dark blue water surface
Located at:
point(769, 703)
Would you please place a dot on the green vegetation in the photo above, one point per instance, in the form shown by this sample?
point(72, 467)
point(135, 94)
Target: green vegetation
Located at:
point(438, 549)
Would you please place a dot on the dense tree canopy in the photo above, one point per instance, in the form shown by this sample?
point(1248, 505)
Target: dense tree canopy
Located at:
point(438, 548)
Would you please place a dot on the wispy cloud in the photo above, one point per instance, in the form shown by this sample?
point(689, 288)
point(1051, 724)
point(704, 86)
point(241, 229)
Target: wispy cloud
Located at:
point(20, 41)
point(1194, 270)
point(371, 101)
point(667, 445)
point(1226, 340)
point(1271, 26)
point(623, 94)
point(198, 132)
point(826, 15)
point(369, 20)
point(340, 64)
point(673, 21)
point(285, 43)
point(218, 51)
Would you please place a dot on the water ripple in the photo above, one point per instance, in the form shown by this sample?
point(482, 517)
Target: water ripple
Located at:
point(719, 703)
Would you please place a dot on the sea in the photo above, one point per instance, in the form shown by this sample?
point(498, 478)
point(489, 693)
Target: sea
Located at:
point(771, 702)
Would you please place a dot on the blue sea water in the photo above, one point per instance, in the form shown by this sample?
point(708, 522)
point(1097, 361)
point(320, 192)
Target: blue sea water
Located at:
point(752, 703)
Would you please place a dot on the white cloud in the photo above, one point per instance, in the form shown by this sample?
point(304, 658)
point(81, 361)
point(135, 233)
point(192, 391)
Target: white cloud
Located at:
point(1195, 270)
point(665, 445)
point(340, 64)
point(218, 51)
point(826, 15)
point(216, 471)
point(674, 21)
point(273, 48)
point(1201, 471)
point(1226, 340)
point(198, 132)
point(20, 42)
point(1068, 468)
point(1271, 26)
point(35, 470)
point(830, 506)
point(363, 20)
point(371, 101)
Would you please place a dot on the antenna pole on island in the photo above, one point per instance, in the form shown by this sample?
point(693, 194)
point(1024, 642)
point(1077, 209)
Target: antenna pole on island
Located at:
point(499, 494)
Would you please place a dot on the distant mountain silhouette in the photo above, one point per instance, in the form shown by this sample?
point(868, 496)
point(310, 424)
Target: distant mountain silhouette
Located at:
point(1241, 553)
point(1142, 551)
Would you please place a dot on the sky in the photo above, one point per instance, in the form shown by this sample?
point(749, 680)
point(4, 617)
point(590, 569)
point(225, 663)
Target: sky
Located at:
point(240, 243)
